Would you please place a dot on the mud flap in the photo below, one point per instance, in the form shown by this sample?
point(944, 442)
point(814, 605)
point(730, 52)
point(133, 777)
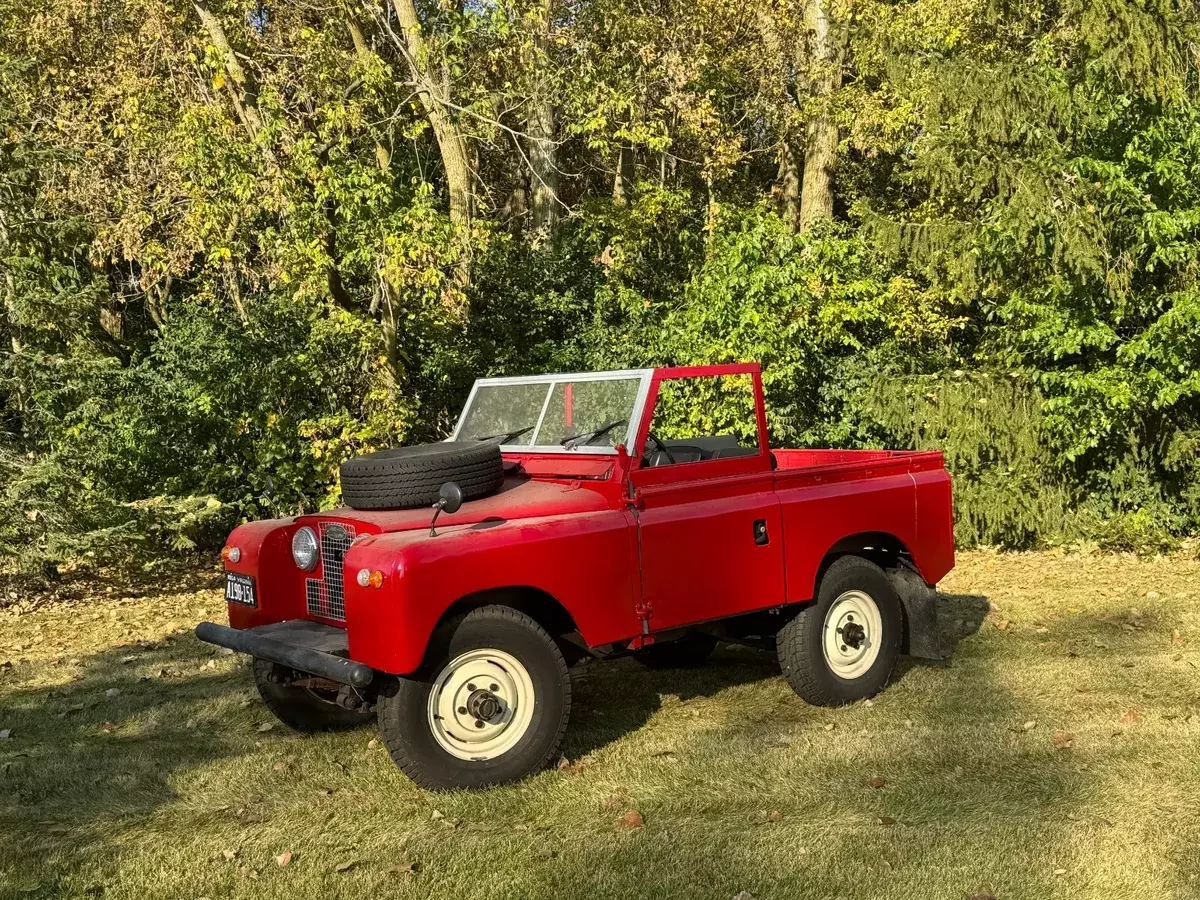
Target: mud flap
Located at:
point(921, 638)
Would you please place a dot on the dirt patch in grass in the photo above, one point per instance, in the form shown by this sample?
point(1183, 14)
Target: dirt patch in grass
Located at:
point(1055, 756)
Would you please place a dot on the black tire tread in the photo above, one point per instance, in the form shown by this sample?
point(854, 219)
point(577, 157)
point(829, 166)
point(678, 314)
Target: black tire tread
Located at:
point(805, 671)
point(390, 726)
point(390, 481)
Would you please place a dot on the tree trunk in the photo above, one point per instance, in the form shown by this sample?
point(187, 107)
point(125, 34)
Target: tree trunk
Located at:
point(363, 50)
point(623, 179)
point(542, 129)
point(433, 91)
point(543, 166)
point(820, 151)
point(241, 88)
point(787, 183)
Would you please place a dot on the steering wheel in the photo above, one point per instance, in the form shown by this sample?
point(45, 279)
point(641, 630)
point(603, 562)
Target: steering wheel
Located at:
point(661, 447)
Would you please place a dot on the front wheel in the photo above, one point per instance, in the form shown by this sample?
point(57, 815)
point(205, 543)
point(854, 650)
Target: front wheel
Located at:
point(490, 705)
point(844, 646)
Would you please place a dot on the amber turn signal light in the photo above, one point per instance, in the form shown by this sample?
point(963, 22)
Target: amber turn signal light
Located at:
point(231, 554)
point(367, 578)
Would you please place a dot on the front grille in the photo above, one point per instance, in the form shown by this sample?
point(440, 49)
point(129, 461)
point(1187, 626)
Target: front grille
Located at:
point(325, 596)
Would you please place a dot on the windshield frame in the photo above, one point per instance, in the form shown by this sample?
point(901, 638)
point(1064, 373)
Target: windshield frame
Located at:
point(631, 427)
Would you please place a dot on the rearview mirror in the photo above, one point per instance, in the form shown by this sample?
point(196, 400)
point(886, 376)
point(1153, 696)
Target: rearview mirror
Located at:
point(451, 497)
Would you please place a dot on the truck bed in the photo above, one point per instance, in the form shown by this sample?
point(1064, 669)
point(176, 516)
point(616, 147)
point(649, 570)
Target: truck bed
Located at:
point(798, 462)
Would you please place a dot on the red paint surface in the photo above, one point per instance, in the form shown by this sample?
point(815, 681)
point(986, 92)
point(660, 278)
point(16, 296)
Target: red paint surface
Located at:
point(607, 539)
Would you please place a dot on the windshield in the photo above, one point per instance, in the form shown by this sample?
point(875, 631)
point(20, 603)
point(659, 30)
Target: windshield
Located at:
point(578, 413)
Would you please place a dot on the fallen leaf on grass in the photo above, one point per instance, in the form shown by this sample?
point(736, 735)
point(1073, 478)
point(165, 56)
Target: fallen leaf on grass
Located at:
point(1176, 637)
point(5, 734)
point(265, 726)
point(1001, 624)
point(876, 782)
point(828, 726)
point(1060, 871)
point(112, 692)
point(885, 820)
point(1064, 740)
point(406, 869)
point(743, 895)
point(229, 855)
point(437, 814)
point(345, 866)
point(563, 763)
point(762, 817)
point(630, 821)
point(108, 727)
point(1132, 717)
point(283, 858)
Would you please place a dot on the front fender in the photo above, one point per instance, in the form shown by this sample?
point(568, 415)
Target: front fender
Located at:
point(586, 561)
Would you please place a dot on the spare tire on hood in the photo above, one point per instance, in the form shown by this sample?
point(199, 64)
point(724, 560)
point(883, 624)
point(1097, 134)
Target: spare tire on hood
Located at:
point(404, 477)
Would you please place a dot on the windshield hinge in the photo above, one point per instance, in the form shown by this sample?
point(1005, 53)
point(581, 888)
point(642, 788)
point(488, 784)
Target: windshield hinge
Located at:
point(635, 499)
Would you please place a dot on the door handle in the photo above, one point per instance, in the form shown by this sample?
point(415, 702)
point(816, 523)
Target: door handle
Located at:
point(761, 538)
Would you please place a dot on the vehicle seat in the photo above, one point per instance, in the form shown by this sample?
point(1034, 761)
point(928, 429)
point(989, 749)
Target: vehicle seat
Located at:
point(734, 452)
point(658, 458)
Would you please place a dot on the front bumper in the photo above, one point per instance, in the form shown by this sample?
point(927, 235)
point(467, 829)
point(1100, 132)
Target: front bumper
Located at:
point(298, 643)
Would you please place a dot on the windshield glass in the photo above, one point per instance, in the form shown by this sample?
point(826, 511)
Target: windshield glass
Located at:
point(575, 413)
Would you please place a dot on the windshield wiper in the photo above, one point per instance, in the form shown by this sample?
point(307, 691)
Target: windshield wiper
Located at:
point(506, 436)
point(588, 436)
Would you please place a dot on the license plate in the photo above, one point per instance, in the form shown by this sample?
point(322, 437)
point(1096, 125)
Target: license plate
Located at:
point(239, 589)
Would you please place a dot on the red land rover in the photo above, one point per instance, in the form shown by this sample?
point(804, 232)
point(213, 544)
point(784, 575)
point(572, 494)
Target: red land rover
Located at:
point(634, 512)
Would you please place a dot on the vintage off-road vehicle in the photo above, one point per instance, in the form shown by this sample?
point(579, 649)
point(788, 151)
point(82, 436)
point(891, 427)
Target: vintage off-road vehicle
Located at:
point(635, 512)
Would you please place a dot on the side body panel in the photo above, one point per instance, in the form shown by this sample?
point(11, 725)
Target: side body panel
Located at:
point(587, 561)
point(825, 505)
point(701, 558)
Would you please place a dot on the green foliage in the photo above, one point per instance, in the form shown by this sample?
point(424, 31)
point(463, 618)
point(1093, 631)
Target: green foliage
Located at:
point(218, 268)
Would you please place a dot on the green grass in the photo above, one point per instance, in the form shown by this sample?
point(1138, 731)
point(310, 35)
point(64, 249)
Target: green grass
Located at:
point(140, 794)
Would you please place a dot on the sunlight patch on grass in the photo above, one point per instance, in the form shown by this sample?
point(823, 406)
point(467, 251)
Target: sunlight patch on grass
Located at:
point(135, 765)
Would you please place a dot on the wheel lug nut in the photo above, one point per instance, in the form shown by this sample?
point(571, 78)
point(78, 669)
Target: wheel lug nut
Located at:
point(843, 648)
point(850, 617)
point(493, 687)
point(462, 710)
point(479, 723)
point(470, 687)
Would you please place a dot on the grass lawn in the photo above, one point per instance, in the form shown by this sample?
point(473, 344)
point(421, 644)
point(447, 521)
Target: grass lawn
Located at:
point(1057, 756)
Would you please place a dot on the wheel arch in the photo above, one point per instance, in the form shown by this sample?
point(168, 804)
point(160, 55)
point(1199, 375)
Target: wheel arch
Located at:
point(540, 605)
point(880, 547)
point(917, 598)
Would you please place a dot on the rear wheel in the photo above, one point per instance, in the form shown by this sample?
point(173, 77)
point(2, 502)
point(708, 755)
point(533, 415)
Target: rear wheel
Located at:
point(490, 706)
point(844, 646)
point(689, 651)
point(307, 709)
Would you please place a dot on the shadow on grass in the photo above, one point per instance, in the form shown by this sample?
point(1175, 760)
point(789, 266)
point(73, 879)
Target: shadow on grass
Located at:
point(90, 754)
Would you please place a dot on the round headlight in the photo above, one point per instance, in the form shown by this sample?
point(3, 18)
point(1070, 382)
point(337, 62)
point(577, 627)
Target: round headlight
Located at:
point(304, 548)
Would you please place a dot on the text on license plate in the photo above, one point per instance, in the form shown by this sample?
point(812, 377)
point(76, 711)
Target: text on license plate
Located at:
point(239, 589)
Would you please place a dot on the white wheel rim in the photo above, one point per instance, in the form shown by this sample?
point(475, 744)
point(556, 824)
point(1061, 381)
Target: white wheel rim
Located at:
point(481, 704)
point(852, 634)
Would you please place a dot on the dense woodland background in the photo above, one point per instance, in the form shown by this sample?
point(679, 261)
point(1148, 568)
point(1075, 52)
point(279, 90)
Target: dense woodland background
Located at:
point(250, 239)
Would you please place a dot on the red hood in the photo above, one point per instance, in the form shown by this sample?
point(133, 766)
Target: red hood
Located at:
point(519, 497)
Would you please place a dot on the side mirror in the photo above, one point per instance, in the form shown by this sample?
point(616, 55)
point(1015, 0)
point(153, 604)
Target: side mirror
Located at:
point(450, 499)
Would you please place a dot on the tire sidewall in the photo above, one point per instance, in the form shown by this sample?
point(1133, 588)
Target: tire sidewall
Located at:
point(404, 715)
point(856, 574)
